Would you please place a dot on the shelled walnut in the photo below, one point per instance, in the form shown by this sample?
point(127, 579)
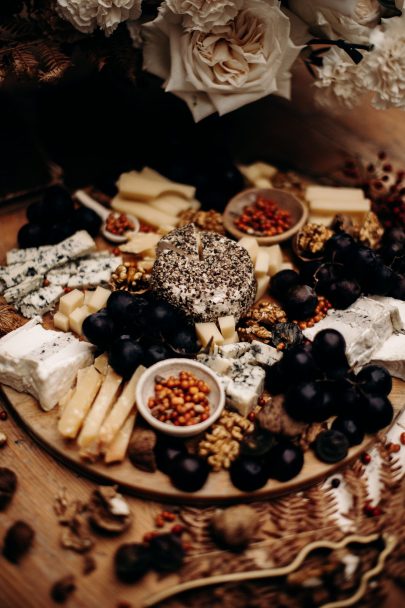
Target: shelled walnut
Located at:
point(371, 231)
point(131, 276)
point(222, 443)
point(254, 331)
point(266, 312)
point(311, 238)
point(204, 220)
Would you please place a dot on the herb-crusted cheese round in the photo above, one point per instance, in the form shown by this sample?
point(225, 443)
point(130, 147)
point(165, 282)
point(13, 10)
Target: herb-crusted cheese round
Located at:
point(203, 274)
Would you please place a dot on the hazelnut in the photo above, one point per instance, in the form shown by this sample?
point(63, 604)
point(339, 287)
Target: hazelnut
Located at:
point(8, 485)
point(62, 589)
point(17, 541)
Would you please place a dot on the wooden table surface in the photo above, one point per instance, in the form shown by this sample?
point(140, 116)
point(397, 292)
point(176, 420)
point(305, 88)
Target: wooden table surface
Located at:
point(40, 478)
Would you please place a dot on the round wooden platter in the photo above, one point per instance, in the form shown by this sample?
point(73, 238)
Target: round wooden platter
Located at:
point(218, 489)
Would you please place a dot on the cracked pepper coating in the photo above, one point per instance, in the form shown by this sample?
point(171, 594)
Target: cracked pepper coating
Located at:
point(205, 275)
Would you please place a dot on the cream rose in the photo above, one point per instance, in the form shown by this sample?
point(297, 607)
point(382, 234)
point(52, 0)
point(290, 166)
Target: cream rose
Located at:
point(204, 14)
point(228, 67)
point(88, 15)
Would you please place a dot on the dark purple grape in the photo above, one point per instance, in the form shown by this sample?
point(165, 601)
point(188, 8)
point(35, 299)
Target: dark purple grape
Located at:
point(57, 205)
point(363, 263)
point(394, 235)
point(157, 352)
point(58, 232)
point(328, 349)
point(167, 552)
point(331, 446)
point(132, 561)
point(285, 461)
point(98, 328)
point(166, 450)
point(282, 282)
point(391, 251)
point(343, 293)
point(305, 401)
point(351, 428)
point(376, 412)
point(327, 275)
point(398, 288)
point(35, 212)
point(276, 381)
point(340, 248)
point(308, 271)
point(184, 339)
point(30, 235)
point(381, 280)
point(298, 363)
point(87, 219)
point(118, 304)
point(125, 356)
point(301, 302)
point(375, 379)
point(189, 472)
point(163, 316)
point(248, 474)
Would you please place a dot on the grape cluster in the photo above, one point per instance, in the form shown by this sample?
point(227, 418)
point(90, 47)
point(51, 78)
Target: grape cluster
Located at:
point(317, 383)
point(298, 300)
point(350, 269)
point(139, 330)
point(54, 218)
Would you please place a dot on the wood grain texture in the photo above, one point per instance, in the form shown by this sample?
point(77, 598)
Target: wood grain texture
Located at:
point(218, 489)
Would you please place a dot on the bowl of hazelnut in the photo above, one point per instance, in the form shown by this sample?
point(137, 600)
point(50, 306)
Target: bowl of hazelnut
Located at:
point(180, 397)
point(268, 214)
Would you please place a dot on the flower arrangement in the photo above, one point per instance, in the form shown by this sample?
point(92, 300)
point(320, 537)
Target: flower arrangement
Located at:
point(216, 55)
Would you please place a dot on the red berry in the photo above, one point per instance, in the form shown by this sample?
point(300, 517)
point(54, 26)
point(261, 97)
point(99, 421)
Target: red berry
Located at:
point(3, 415)
point(365, 458)
point(177, 529)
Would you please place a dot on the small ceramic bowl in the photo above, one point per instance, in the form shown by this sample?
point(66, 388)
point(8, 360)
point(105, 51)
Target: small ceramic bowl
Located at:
point(284, 200)
point(172, 367)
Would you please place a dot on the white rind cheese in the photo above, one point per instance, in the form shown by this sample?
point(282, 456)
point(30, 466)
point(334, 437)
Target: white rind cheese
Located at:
point(392, 355)
point(41, 362)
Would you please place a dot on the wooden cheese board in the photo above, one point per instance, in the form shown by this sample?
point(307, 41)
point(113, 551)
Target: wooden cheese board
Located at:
point(218, 489)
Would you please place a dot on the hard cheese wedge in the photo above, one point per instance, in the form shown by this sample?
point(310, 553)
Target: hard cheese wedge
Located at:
point(100, 408)
point(275, 259)
point(251, 245)
point(140, 188)
point(207, 331)
point(140, 242)
point(61, 321)
point(70, 301)
point(331, 207)
point(262, 262)
point(315, 193)
point(143, 211)
point(263, 283)
point(88, 383)
point(170, 203)
point(227, 326)
point(98, 299)
point(118, 448)
point(77, 317)
point(121, 409)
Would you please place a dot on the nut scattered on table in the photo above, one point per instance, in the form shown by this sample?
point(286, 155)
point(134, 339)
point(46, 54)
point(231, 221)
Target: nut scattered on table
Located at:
point(61, 590)
point(141, 450)
point(17, 541)
point(222, 443)
point(273, 418)
point(108, 511)
point(3, 439)
point(8, 486)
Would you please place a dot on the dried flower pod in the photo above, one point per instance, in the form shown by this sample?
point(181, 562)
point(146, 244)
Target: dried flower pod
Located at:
point(132, 561)
point(76, 536)
point(109, 511)
point(8, 486)
point(167, 552)
point(61, 590)
point(141, 450)
point(17, 541)
point(274, 419)
point(236, 526)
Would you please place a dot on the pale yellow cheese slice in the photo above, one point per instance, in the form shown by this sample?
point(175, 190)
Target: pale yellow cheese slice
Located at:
point(171, 204)
point(101, 363)
point(321, 193)
point(140, 242)
point(232, 339)
point(152, 174)
point(70, 301)
point(77, 317)
point(61, 321)
point(75, 411)
point(143, 211)
point(206, 331)
point(121, 409)
point(98, 299)
point(331, 207)
point(251, 245)
point(262, 263)
point(262, 286)
point(275, 259)
point(100, 408)
point(140, 188)
point(118, 447)
point(227, 326)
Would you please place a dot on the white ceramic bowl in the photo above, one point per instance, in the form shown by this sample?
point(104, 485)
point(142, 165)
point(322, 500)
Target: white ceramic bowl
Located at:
point(172, 367)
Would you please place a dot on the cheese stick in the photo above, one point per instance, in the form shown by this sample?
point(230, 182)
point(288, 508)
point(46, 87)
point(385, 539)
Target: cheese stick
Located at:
point(120, 409)
point(320, 193)
point(152, 174)
point(118, 447)
point(333, 206)
point(141, 188)
point(65, 400)
point(88, 383)
point(144, 212)
point(100, 408)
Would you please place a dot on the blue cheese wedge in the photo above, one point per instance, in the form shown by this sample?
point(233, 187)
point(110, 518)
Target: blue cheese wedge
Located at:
point(39, 302)
point(220, 365)
point(43, 363)
point(18, 292)
point(18, 256)
point(265, 354)
point(233, 351)
point(245, 388)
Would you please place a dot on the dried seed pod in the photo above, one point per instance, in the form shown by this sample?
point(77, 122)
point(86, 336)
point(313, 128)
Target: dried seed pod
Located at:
point(235, 527)
point(109, 511)
point(8, 485)
point(17, 541)
point(141, 450)
point(61, 590)
point(132, 561)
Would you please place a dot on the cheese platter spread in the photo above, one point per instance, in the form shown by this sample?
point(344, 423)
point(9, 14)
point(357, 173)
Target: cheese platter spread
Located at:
point(255, 369)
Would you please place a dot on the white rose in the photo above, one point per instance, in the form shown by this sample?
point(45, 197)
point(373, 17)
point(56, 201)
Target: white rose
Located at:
point(228, 67)
point(338, 83)
point(87, 15)
point(204, 14)
point(383, 70)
